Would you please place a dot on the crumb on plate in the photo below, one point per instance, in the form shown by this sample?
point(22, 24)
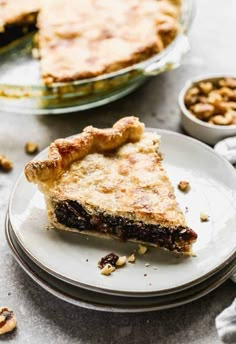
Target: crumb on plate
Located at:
point(142, 249)
point(110, 258)
point(5, 164)
point(204, 217)
point(31, 147)
point(184, 186)
point(107, 269)
point(131, 258)
point(121, 261)
point(7, 320)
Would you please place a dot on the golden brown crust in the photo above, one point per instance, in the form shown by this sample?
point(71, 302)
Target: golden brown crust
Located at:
point(93, 37)
point(89, 38)
point(17, 11)
point(63, 152)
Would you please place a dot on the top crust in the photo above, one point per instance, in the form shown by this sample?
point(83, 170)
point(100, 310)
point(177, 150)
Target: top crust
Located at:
point(17, 11)
point(63, 152)
point(93, 37)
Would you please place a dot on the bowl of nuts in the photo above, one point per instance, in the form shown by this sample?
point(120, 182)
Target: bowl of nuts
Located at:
point(208, 108)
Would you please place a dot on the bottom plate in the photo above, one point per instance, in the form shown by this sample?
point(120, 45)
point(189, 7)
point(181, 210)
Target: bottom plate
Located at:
point(109, 303)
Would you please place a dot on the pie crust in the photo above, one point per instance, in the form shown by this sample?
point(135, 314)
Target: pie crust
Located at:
point(88, 38)
point(17, 17)
point(93, 37)
point(111, 183)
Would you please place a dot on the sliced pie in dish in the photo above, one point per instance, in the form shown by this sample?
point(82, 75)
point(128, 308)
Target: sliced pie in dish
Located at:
point(111, 183)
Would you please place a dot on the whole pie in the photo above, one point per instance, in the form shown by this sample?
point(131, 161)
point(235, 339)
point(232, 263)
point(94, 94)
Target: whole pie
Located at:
point(111, 183)
point(85, 38)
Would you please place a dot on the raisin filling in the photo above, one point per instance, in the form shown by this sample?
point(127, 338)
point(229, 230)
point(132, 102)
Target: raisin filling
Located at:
point(73, 215)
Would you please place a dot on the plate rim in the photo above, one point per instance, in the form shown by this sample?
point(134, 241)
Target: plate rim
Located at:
point(104, 290)
point(108, 308)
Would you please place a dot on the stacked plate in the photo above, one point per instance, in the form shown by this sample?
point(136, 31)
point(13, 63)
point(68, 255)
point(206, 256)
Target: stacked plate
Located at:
point(65, 264)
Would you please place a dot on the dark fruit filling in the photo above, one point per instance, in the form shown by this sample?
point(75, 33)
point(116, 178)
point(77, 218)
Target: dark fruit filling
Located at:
point(110, 258)
point(15, 31)
point(73, 215)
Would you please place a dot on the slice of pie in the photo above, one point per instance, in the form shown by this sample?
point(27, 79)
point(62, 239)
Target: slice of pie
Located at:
point(111, 183)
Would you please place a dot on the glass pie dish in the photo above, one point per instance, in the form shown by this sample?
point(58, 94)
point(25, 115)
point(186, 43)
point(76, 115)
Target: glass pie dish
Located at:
point(21, 90)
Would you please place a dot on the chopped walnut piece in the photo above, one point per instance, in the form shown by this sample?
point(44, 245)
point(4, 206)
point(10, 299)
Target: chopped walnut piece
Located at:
point(7, 320)
point(223, 120)
point(5, 164)
point(31, 147)
point(233, 114)
point(184, 186)
point(206, 87)
point(131, 258)
point(142, 249)
point(204, 217)
point(228, 82)
point(121, 261)
point(191, 96)
point(215, 98)
point(203, 111)
point(226, 92)
point(107, 269)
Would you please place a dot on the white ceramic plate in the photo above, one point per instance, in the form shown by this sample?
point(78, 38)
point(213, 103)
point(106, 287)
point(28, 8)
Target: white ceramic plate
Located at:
point(64, 255)
point(110, 303)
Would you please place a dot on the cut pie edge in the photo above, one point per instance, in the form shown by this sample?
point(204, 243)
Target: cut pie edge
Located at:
point(177, 239)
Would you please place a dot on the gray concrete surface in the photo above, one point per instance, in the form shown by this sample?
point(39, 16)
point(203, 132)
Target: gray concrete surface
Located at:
point(41, 317)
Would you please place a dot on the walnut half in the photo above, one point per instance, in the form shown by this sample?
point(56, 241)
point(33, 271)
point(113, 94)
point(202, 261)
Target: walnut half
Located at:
point(204, 217)
point(7, 320)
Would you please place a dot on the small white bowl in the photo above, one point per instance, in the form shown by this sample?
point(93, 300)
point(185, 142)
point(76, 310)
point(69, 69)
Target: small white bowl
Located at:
point(206, 132)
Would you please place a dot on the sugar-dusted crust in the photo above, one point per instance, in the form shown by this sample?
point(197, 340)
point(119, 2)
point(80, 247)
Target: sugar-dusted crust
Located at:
point(129, 182)
point(63, 152)
point(93, 37)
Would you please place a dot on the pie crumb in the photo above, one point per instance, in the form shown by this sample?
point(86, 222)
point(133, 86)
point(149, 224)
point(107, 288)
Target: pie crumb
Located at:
point(204, 217)
point(31, 147)
point(184, 186)
point(5, 164)
point(36, 53)
point(107, 269)
point(7, 319)
point(110, 258)
point(131, 258)
point(121, 261)
point(142, 249)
